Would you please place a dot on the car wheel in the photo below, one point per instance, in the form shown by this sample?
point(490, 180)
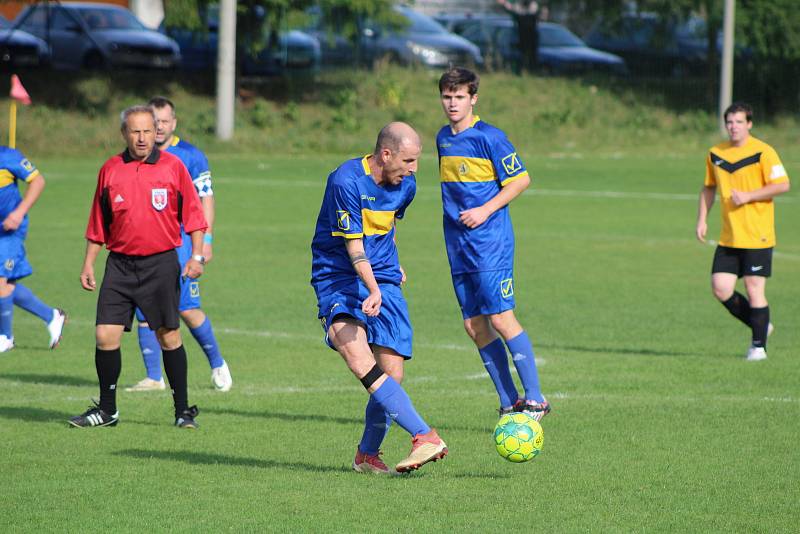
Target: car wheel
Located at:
point(94, 60)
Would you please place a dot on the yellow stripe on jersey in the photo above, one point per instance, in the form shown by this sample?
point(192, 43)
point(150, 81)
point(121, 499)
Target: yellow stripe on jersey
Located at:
point(6, 178)
point(31, 176)
point(513, 178)
point(365, 165)
point(465, 169)
point(377, 222)
point(347, 236)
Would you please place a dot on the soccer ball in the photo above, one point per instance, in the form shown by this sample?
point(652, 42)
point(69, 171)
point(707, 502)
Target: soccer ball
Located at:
point(518, 437)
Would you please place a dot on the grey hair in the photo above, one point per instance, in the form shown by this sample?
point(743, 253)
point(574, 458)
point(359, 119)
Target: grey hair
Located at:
point(393, 135)
point(139, 108)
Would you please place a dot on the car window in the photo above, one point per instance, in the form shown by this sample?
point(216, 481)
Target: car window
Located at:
point(422, 23)
point(61, 20)
point(37, 17)
point(558, 36)
point(4, 23)
point(110, 19)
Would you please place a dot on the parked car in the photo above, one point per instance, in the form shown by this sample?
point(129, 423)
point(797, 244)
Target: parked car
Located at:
point(19, 49)
point(420, 40)
point(560, 50)
point(292, 51)
point(97, 36)
point(652, 45)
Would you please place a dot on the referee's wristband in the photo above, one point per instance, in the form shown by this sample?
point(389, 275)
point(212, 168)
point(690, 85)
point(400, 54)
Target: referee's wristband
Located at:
point(207, 239)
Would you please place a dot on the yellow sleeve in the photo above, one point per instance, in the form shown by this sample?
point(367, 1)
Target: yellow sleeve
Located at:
point(771, 167)
point(711, 177)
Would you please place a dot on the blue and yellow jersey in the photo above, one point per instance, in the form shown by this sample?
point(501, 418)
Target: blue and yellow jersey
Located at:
point(474, 165)
point(745, 168)
point(195, 162)
point(14, 166)
point(355, 207)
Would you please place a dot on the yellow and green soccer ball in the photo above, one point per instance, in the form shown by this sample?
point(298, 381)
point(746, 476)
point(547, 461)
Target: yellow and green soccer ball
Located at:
point(518, 437)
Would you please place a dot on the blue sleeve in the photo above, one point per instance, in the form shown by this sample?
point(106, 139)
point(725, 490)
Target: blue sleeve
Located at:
point(20, 167)
point(201, 174)
point(409, 198)
point(507, 163)
point(344, 210)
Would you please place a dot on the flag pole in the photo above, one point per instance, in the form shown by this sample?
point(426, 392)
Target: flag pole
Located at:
point(12, 124)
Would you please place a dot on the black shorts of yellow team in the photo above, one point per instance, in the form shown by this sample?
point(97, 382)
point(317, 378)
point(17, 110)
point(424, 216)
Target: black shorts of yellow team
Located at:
point(743, 261)
point(151, 283)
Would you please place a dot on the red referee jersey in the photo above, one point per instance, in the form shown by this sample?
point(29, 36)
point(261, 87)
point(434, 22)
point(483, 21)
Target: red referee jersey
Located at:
point(139, 206)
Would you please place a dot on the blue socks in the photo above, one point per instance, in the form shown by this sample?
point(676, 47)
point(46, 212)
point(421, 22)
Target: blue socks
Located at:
point(376, 425)
point(204, 335)
point(495, 360)
point(522, 354)
point(151, 352)
point(25, 299)
point(6, 316)
point(395, 401)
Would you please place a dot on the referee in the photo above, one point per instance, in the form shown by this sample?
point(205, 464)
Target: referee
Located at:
point(143, 196)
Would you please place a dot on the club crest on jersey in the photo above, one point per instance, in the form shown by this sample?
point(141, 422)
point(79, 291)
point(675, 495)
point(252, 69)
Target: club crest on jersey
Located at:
point(9, 264)
point(158, 197)
point(463, 168)
point(27, 165)
point(511, 163)
point(343, 219)
point(507, 288)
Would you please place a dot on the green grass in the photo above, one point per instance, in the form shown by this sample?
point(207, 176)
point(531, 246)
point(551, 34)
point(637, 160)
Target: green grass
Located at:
point(658, 423)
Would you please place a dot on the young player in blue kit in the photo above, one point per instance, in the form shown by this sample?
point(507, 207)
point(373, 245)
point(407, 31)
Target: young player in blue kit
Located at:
point(191, 313)
point(356, 275)
point(481, 174)
point(14, 167)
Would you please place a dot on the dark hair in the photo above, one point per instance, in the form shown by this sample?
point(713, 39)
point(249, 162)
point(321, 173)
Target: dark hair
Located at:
point(458, 76)
point(740, 107)
point(160, 102)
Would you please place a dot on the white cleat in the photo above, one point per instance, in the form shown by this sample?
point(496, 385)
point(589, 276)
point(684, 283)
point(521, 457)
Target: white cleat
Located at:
point(756, 354)
point(56, 327)
point(221, 377)
point(6, 343)
point(148, 384)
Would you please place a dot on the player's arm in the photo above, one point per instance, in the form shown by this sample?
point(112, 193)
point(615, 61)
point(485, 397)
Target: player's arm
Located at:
point(208, 210)
point(87, 273)
point(474, 217)
point(703, 208)
point(358, 258)
point(32, 193)
point(767, 192)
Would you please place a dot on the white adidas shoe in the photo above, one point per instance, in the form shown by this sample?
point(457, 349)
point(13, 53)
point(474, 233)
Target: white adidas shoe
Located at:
point(148, 384)
point(756, 354)
point(221, 377)
point(56, 326)
point(6, 343)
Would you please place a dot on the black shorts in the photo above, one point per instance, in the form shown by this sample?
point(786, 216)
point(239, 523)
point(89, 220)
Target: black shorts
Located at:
point(151, 283)
point(743, 261)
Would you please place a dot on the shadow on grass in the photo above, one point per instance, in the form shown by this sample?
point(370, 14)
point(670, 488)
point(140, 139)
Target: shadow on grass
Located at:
point(294, 417)
point(56, 380)
point(34, 415)
point(614, 350)
point(204, 458)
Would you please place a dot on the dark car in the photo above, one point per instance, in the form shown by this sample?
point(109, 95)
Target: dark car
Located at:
point(655, 46)
point(292, 51)
point(96, 36)
point(560, 50)
point(19, 49)
point(419, 40)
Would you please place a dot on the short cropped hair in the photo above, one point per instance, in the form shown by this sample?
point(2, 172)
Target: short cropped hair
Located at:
point(458, 76)
point(740, 107)
point(392, 136)
point(160, 102)
point(133, 110)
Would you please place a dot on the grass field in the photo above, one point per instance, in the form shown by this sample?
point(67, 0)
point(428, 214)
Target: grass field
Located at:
point(658, 424)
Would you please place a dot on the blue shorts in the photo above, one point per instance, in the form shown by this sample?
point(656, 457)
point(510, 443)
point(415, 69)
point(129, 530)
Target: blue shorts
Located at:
point(390, 329)
point(190, 289)
point(484, 293)
point(13, 261)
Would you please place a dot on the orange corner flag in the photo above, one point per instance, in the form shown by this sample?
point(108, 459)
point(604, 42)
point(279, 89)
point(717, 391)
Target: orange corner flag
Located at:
point(18, 92)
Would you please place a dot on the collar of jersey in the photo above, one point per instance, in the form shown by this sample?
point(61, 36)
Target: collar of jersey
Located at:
point(365, 164)
point(152, 159)
point(175, 140)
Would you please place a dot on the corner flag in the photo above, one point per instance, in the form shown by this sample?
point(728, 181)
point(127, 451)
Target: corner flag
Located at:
point(18, 94)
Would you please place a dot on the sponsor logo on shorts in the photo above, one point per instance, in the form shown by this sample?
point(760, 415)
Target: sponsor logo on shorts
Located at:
point(756, 268)
point(194, 289)
point(511, 163)
point(158, 198)
point(507, 288)
point(343, 219)
point(9, 265)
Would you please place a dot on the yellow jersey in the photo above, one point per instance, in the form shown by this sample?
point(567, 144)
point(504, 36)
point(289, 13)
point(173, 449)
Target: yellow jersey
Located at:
point(745, 168)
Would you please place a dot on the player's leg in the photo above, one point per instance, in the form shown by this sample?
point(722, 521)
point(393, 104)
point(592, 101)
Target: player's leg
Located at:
point(151, 355)
point(54, 318)
point(6, 315)
point(200, 326)
point(759, 316)
point(725, 271)
point(492, 352)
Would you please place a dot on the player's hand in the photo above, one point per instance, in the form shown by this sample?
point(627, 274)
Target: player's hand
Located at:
point(87, 279)
point(740, 198)
point(372, 304)
point(193, 269)
point(207, 253)
point(12, 221)
point(700, 231)
point(474, 217)
point(402, 275)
